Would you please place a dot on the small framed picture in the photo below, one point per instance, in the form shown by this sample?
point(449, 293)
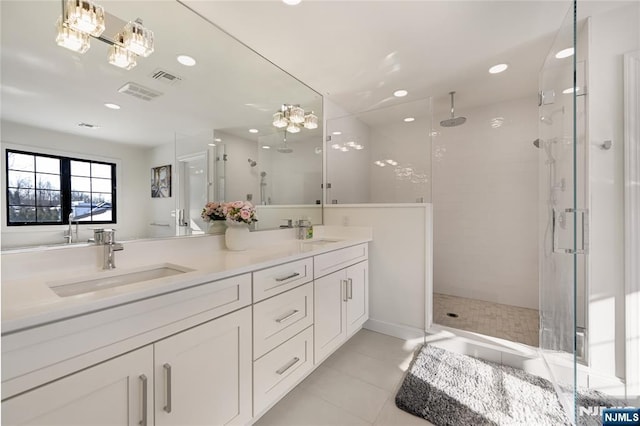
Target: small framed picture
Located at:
point(161, 181)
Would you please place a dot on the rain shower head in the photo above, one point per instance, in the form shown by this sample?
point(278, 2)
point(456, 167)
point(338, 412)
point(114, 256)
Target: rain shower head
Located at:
point(252, 163)
point(453, 121)
point(284, 149)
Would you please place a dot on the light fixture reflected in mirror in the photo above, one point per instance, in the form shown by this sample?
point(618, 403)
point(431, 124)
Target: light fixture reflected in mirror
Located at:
point(293, 118)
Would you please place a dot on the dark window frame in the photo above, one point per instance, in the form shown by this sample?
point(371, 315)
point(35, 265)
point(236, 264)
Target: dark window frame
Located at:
point(65, 190)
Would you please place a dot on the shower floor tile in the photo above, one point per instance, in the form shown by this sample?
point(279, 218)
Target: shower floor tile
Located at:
point(493, 319)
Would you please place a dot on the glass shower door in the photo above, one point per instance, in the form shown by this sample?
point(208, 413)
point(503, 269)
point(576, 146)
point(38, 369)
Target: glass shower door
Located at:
point(562, 218)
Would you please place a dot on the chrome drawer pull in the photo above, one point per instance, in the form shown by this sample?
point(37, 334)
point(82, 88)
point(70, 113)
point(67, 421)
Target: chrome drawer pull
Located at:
point(350, 284)
point(288, 366)
point(286, 317)
point(343, 289)
point(167, 375)
point(143, 380)
point(288, 277)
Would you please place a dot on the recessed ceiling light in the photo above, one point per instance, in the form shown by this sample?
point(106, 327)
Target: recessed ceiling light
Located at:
point(186, 60)
point(112, 106)
point(409, 119)
point(565, 53)
point(498, 68)
point(217, 140)
point(570, 90)
point(253, 130)
point(400, 93)
point(336, 133)
point(291, 2)
point(266, 147)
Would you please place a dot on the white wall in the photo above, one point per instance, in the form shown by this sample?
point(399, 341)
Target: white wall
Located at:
point(409, 145)
point(133, 181)
point(398, 262)
point(348, 172)
point(612, 34)
point(485, 198)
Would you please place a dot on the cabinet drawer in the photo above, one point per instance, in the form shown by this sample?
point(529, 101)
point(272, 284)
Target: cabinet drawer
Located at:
point(278, 319)
point(275, 373)
point(271, 281)
point(327, 263)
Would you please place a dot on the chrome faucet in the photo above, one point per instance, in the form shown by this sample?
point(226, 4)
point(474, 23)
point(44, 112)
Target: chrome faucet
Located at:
point(68, 234)
point(110, 247)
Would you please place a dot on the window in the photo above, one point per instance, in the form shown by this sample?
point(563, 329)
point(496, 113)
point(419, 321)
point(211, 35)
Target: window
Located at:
point(45, 189)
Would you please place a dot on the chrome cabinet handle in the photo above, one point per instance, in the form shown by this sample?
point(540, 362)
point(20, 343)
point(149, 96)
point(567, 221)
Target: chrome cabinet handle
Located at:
point(286, 317)
point(295, 274)
point(350, 283)
point(143, 380)
point(343, 288)
point(167, 381)
point(287, 366)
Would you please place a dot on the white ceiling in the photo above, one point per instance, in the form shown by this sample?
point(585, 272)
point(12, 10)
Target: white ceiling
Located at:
point(354, 52)
point(358, 52)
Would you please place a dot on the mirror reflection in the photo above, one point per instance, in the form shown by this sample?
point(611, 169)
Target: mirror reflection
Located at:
point(220, 126)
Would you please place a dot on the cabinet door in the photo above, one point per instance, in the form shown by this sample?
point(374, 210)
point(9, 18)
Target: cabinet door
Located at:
point(357, 296)
point(203, 375)
point(115, 392)
point(329, 296)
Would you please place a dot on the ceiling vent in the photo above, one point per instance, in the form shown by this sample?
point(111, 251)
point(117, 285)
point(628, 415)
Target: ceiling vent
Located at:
point(139, 91)
point(165, 77)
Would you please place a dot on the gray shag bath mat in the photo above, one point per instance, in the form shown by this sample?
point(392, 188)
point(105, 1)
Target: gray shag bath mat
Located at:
point(450, 389)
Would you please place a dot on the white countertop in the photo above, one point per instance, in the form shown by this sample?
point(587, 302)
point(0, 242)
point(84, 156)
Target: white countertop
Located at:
point(29, 301)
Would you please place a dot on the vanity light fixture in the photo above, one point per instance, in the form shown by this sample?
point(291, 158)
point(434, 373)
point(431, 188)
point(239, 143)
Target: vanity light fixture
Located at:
point(253, 130)
point(497, 69)
point(71, 39)
point(336, 133)
point(291, 2)
point(84, 16)
point(186, 60)
point(112, 106)
point(266, 147)
point(293, 118)
point(82, 19)
point(565, 53)
point(409, 119)
point(121, 57)
point(211, 144)
point(400, 93)
point(137, 39)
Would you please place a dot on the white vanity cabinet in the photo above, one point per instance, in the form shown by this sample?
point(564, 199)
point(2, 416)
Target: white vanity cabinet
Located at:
point(115, 392)
point(341, 298)
point(203, 375)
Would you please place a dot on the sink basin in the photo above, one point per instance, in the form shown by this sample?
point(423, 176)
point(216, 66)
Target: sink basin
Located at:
point(114, 279)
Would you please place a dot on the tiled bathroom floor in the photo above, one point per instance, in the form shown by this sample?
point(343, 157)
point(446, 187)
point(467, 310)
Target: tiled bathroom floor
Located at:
point(354, 386)
point(493, 319)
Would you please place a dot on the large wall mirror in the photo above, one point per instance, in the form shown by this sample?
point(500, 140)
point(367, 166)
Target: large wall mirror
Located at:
point(212, 123)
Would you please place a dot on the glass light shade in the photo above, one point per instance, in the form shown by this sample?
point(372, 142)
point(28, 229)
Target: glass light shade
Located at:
point(279, 120)
point(85, 16)
point(296, 115)
point(138, 39)
point(311, 121)
point(293, 128)
point(72, 39)
point(121, 57)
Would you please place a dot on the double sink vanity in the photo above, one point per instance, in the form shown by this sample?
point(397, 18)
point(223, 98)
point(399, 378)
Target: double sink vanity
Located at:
point(198, 335)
